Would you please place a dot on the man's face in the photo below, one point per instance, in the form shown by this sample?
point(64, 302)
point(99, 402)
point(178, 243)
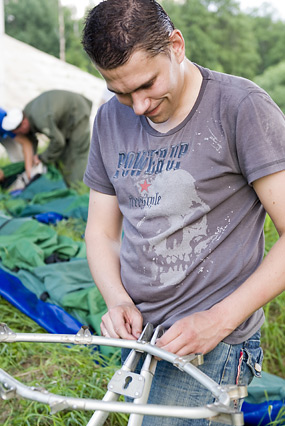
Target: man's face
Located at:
point(24, 127)
point(152, 86)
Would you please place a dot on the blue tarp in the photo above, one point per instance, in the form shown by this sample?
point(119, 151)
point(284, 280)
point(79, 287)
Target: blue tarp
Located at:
point(269, 412)
point(51, 317)
point(265, 402)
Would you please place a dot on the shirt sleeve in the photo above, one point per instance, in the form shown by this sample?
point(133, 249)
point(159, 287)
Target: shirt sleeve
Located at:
point(260, 136)
point(96, 176)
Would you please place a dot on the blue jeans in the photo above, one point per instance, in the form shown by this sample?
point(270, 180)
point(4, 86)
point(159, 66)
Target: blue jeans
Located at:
point(226, 364)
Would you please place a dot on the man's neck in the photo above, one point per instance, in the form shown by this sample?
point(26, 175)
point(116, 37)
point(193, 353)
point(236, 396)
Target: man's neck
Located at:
point(191, 89)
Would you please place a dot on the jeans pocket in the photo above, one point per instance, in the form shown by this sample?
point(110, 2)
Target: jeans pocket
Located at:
point(252, 364)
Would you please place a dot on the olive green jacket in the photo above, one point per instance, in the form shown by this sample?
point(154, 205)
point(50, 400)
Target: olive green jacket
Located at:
point(60, 115)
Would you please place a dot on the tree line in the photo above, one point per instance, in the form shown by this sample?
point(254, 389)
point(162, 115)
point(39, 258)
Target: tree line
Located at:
point(218, 35)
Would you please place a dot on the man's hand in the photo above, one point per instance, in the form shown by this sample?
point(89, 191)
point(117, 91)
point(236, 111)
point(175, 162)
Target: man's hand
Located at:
point(122, 321)
point(197, 333)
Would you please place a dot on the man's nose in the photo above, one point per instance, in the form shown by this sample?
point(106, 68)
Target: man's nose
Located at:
point(140, 103)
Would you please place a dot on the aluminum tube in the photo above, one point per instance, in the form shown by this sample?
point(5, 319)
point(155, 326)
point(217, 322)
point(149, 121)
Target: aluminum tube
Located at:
point(99, 417)
point(147, 371)
point(190, 369)
point(130, 364)
point(91, 404)
point(137, 419)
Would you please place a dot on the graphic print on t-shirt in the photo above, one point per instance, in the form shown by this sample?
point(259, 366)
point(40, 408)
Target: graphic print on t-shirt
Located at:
point(150, 162)
point(180, 226)
point(173, 218)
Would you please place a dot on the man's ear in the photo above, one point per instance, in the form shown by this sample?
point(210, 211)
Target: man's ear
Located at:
point(177, 45)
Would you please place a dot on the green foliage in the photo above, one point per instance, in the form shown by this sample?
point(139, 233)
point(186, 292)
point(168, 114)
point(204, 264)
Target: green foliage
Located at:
point(272, 337)
point(217, 35)
point(34, 22)
point(270, 37)
point(271, 235)
point(74, 53)
point(273, 329)
point(73, 228)
point(273, 81)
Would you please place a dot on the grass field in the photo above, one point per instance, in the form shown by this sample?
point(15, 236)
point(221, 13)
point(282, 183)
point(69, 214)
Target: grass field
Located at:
point(81, 372)
point(76, 371)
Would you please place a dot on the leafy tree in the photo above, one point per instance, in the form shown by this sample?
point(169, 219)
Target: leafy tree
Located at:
point(34, 22)
point(273, 81)
point(270, 37)
point(238, 52)
point(75, 53)
point(217, 35)
point(196, 23)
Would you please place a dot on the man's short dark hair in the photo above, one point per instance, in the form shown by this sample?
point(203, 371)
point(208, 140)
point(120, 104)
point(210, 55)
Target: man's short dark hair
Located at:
point(114, 29)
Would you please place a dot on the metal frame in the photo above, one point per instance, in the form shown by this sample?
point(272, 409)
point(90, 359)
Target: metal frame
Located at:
point(125, 381)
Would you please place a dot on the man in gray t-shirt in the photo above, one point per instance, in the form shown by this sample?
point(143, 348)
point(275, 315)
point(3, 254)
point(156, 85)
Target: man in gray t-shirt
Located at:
point(188, 161)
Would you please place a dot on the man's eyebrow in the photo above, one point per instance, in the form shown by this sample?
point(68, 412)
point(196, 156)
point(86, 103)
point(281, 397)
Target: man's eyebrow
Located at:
point(145, 85)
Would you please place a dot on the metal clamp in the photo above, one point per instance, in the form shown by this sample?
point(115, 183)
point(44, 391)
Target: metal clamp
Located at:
point(84, 336)
point(6, 332)
point(127, 384)
point(7, 392)
point(194, 359)
point(227, 415)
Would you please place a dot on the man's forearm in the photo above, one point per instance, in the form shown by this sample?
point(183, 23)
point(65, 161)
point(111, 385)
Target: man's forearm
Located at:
point(267, 282)
point(103, 255)
point(123, 320)
point(28, 153)
point(203, 331)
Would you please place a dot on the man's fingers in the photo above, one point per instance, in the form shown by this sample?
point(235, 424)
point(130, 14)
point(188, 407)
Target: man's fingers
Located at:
point(107, 329)
point(122, 323)
point(174, 345)
point(171, 335)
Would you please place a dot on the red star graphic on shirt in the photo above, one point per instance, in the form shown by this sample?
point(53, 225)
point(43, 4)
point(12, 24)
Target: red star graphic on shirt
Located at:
point(144, 186)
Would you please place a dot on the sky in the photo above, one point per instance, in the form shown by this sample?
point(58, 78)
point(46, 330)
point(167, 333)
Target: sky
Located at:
point(78, 5)
point(279, 5)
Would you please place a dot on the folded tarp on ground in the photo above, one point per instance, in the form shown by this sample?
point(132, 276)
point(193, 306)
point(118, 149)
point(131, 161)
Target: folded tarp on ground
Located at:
point(65, 307)
point(49, 316)
point(51, 270)
point(32, 243)
point(48, 193)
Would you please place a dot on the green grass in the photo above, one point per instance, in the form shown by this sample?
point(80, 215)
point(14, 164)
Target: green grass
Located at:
point(73, 228)
point(272, 337)
point(76, 371)
point(273, 330)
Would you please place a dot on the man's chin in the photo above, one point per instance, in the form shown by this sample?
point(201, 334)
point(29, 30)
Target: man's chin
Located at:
point(157, 119)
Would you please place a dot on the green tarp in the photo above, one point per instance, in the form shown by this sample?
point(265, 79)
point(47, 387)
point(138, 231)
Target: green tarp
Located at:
point(47, 263)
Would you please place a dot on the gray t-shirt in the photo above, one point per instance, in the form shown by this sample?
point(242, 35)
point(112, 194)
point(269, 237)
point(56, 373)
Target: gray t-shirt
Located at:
point(193, 225)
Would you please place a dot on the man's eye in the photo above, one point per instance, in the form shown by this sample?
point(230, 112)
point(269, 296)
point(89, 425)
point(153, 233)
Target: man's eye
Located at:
point(148, 86)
